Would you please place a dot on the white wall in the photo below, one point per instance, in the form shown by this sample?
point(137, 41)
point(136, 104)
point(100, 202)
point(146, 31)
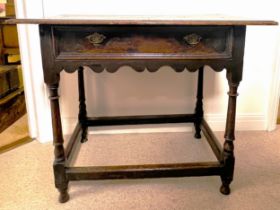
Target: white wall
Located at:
point(36, 96)
point(123, 93)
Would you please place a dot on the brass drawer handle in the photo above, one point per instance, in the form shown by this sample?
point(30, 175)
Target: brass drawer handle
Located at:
point(192, 39)
point(96, 38)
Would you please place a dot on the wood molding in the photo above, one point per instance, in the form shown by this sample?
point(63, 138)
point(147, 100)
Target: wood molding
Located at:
point(15, 144)
point(274, 92)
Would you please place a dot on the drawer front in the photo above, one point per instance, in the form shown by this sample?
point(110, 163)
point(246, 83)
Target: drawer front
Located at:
point(142, 42)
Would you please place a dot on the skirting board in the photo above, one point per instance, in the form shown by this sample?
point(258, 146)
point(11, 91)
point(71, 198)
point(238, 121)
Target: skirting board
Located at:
point(216, 122)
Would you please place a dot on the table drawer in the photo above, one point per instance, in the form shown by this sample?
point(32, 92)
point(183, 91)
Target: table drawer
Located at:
point(142, 42)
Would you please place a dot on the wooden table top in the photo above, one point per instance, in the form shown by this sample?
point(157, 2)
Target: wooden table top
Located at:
point(143, 20)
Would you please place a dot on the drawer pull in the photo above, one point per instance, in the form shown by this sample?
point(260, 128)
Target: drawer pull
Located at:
point(96, 38)
point(192, 39)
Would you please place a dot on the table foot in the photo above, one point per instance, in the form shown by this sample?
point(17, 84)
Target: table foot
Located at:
point(84, 137)
point(84, 140)
point(225, 189)
point(197, 135)
point(63, 196)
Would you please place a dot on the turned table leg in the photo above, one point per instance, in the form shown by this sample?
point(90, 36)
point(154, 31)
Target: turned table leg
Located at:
point(61, 180)
point(199, 104)
point(228, 150)
point(82, 105)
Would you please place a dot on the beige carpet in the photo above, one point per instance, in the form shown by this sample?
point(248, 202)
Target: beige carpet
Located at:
point(27, 179)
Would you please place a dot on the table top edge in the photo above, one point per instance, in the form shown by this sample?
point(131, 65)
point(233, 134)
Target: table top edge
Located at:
point(139, 22)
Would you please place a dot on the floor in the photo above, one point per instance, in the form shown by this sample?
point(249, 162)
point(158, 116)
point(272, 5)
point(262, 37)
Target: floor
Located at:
point(27, 179)
point(17, 131)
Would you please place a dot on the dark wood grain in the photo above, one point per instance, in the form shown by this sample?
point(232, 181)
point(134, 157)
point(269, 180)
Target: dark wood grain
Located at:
point(61, 180)
point(82, 106)
point(142, 45)
point(141, 119)
point(71, 147)
point(199, 104)
point(228, 149)
point(144, 171)
point(212, 140)
point(141, 42)
point(152, 62)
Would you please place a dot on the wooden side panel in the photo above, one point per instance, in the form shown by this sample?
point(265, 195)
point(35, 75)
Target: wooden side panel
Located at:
point(10, 36)
point(9, 80)
point(11, 110)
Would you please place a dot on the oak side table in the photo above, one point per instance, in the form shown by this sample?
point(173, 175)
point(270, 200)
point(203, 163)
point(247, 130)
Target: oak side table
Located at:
point(71, 44)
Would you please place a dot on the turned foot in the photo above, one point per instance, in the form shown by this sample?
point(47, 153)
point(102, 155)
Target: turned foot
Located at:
point(83, 140)
point(84, 137)
point(197, 134)
point(63, 196)
point(224, 189)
